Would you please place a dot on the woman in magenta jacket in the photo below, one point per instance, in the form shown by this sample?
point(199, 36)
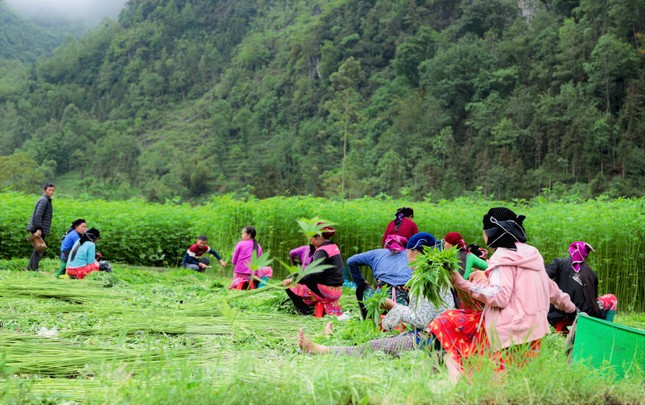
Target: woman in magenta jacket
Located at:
point(516, 293)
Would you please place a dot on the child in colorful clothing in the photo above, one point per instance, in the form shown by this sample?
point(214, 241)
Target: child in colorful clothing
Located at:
point(193, 257)
point(324, 287)
point(516, 292)
point(243, 275)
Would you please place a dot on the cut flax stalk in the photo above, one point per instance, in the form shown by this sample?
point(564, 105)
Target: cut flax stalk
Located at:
point(431, 274)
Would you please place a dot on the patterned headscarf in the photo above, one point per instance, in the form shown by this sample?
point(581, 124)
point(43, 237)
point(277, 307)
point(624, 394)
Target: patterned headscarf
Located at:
point(579, 252)
point(395, 243)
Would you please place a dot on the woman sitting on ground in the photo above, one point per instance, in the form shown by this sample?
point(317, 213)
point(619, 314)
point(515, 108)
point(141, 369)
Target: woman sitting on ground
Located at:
point(324, 287)
point(74, 233)
point(82, 258)
point(417, 315)
point(302, 256)
point(575, 277)
point(516, 294)
point(467, 260)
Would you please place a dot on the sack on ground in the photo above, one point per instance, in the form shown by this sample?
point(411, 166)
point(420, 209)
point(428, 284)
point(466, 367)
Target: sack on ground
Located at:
point(104, 265)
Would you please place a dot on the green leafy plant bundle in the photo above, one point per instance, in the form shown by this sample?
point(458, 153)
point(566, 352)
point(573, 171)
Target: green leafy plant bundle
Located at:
point(374, 305)
point(431, 273)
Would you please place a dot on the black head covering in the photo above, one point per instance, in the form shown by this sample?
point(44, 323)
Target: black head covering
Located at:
point(503, 228)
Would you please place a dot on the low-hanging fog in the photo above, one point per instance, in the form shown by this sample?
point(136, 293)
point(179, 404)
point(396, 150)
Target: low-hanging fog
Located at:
point(89, 11)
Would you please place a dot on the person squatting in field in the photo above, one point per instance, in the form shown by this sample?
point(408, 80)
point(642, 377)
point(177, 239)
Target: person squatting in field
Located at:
point(324, 287)
point(242, 254)
point(417, 315)
point(302, 256)
point(73, 234)
point(193, 257)
point(389, 268)
point(82, 258)
point(467, 259)
point(575, 277)
point(516, 294)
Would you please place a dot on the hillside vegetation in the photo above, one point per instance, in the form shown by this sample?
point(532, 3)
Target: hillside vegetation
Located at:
point(423, 98)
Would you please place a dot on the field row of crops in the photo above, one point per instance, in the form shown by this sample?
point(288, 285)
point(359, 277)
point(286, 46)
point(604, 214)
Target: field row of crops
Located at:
point(140, 233)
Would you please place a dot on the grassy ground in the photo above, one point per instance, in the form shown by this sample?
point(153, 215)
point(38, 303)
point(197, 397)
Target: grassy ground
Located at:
point(142, 335)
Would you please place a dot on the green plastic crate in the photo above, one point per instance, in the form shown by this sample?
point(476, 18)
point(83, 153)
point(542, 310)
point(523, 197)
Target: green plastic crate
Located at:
point(599, 341)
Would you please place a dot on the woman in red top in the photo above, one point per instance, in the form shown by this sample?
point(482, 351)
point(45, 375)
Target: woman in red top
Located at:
point(401, 225)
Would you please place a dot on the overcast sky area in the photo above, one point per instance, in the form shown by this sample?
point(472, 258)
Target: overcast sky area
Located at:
point(90, 11)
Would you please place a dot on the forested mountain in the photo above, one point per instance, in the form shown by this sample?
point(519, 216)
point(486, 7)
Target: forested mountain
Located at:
point(424, 98)
point(23, 40)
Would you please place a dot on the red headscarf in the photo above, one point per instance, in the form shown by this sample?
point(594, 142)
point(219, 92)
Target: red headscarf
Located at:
point(455, 239)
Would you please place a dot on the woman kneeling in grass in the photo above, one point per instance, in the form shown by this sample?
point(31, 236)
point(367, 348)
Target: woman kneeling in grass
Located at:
point(418, 315)
point(516, 295)
point(82, 257)
point(325, 287)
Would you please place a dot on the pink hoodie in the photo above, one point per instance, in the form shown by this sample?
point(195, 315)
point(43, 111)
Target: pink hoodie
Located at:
point(517, 296)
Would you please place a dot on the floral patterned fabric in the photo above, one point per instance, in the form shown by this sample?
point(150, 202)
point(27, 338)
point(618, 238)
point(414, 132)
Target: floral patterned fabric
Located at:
point(329, 298)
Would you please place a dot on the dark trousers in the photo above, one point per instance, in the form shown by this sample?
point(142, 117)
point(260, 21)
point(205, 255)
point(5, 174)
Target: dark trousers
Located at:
point(300, 305)
point(35, 258)
point(360, 291)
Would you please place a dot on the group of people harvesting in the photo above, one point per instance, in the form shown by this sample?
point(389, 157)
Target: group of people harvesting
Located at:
point(516, 295)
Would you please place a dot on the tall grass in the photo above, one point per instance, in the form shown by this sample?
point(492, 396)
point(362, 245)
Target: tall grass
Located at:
point(141, 233)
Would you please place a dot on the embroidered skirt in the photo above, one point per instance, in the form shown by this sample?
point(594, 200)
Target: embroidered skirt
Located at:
point(329, 298)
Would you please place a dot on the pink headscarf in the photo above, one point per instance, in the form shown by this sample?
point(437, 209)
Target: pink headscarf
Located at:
point(395, 242)
point(579, 252)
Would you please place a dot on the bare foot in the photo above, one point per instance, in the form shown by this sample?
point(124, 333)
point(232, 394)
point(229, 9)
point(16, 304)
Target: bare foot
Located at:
point(308, 347)
point(329, 329)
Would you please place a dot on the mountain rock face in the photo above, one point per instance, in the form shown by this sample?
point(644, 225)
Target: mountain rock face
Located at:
point(423, 99)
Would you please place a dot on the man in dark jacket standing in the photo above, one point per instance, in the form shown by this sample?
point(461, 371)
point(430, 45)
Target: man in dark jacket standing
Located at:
point(41, 222)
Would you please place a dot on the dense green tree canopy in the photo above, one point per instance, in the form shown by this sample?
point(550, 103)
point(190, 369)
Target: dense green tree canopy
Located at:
point(417, 98)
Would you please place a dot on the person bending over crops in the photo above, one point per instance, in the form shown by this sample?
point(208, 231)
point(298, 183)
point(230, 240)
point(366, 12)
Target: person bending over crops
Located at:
point(389, 268)
point(242, 274)
point(324, 287)
point(302, 256)
point(73, 234)
point(402, 225)
point(193, 257)
point(417, 316)
point(575, 277)
point(516, 294)
point(82, 258)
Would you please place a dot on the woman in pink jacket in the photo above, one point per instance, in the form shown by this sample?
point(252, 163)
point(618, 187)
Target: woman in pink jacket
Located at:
point(242, 274)
point(516, 293)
